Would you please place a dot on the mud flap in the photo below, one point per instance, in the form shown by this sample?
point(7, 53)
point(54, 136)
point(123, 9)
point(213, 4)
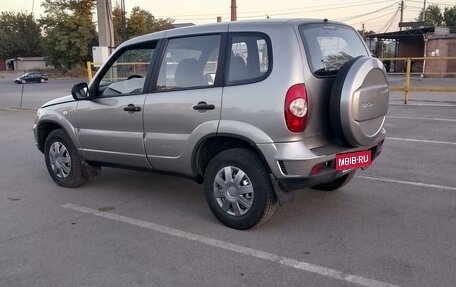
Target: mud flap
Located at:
point(283, 195)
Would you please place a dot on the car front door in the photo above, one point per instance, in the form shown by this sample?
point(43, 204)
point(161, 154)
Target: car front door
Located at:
point(185, 104)
point(110, 125)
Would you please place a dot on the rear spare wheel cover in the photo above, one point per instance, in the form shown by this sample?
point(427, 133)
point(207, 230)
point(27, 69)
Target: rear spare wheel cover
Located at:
point(359, 101)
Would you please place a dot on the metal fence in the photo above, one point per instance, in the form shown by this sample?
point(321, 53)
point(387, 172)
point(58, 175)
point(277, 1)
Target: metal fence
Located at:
point(428, 67)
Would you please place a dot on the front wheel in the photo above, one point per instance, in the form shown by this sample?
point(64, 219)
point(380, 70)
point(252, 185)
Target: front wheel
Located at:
point(63, 161)
point(238, 189)
point(335, 184)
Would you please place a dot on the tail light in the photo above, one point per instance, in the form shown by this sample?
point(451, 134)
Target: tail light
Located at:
point(296, 108)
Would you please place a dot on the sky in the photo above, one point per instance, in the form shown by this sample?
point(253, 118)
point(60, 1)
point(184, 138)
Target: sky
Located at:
point(376, 15)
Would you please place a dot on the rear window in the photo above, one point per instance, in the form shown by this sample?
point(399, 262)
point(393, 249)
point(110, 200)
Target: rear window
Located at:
point(329, 46)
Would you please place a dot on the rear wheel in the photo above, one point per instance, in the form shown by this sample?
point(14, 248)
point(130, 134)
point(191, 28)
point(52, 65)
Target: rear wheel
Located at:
point(335, 184)
point(63, 161)
point(238, 189)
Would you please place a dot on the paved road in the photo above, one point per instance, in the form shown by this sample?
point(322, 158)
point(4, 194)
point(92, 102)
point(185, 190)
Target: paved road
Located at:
point(395, 223)
point(33, 95)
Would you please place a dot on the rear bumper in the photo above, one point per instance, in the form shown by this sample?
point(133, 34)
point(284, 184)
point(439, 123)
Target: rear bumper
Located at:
point(291, 184)
point(291, 164)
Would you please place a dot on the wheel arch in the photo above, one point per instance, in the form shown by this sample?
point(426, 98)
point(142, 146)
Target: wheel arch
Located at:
point(44, 129)
point(213, 144)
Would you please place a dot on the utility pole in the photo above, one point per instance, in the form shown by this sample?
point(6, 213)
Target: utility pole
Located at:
point(364, 37)
point(233, 10)
point(123, 28)
point(424, 12)
point(105, 27)
point(402, 14)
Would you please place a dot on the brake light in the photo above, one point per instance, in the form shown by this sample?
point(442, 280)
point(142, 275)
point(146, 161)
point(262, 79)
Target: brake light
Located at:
point(296, 108)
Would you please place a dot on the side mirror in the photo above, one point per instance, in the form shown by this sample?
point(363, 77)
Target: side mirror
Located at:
point(80, 91)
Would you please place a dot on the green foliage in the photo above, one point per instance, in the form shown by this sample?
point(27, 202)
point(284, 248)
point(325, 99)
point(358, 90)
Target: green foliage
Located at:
point(433, 15)
point(449, 17)
point(139, 22)
point(366, 33)
point(117, 22)
point(69, 31)
point(20, 35)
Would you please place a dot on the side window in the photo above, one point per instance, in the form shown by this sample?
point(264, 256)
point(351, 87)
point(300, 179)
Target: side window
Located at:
point(249, 58)
point(127, 74)
point(189, 62)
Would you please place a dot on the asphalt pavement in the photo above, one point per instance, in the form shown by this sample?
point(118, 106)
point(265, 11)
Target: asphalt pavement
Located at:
point(393, 225)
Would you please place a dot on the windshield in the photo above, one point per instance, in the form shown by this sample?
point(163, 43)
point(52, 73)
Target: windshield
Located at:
point(329, 46)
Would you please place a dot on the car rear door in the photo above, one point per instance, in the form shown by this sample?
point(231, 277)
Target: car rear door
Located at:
point(186, 100)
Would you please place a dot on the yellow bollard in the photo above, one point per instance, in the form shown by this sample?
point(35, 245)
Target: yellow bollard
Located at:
point(407, 80)
point(89, 71)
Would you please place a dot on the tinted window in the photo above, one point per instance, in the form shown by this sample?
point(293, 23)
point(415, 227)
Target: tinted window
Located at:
point(329, 46)
point(189, 63)
point(127, 74)
point(249, 58)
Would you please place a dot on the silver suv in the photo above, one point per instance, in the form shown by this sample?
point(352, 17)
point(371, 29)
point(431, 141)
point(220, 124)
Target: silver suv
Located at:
point(253, 110)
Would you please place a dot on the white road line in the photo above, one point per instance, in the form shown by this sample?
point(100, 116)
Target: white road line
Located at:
point(335, 274)
point(416, 118)
point(421, 141)
point(423, 105)
point(408, 182)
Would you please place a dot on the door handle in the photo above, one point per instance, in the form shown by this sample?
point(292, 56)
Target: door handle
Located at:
point(203, 106)
point(132, 108)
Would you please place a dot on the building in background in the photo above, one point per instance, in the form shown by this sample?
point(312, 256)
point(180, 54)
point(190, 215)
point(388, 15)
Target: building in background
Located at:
point(27, 64)
point(424, 42)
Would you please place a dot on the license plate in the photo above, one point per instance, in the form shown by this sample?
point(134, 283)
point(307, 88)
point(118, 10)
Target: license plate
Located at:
point(353, 160)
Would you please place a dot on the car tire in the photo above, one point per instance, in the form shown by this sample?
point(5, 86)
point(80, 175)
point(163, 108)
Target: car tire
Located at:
point(335, 184)
point(63, 161)
point(238, 189)
point(23, 81)
point(42, 80)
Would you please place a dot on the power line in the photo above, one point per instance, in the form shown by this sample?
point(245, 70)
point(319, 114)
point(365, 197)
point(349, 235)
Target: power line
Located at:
point(366, 14)
point(369, 20)
point(270, 12)
point(302, 9)
point(390, 22)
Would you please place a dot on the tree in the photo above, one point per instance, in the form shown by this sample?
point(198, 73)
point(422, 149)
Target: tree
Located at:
point(20, 35)
point(69, 31)
point(142, 22)
point(433, 15)
point(118, 18)
point(449, 17)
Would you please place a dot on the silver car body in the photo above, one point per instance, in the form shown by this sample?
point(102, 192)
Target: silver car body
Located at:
point(169, 135)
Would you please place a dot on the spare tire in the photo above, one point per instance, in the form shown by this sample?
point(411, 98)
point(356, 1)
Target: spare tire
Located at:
point(359, 101)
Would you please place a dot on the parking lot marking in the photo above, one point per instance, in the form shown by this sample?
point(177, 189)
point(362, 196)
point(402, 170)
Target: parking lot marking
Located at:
point(423, 105)
point(408, 182)
point(417, 118)
point(304, 266)
point(422, 141)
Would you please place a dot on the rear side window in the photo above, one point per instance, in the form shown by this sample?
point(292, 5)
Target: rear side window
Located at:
point(189, 62)
point(249, 58)
point(329, 46)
